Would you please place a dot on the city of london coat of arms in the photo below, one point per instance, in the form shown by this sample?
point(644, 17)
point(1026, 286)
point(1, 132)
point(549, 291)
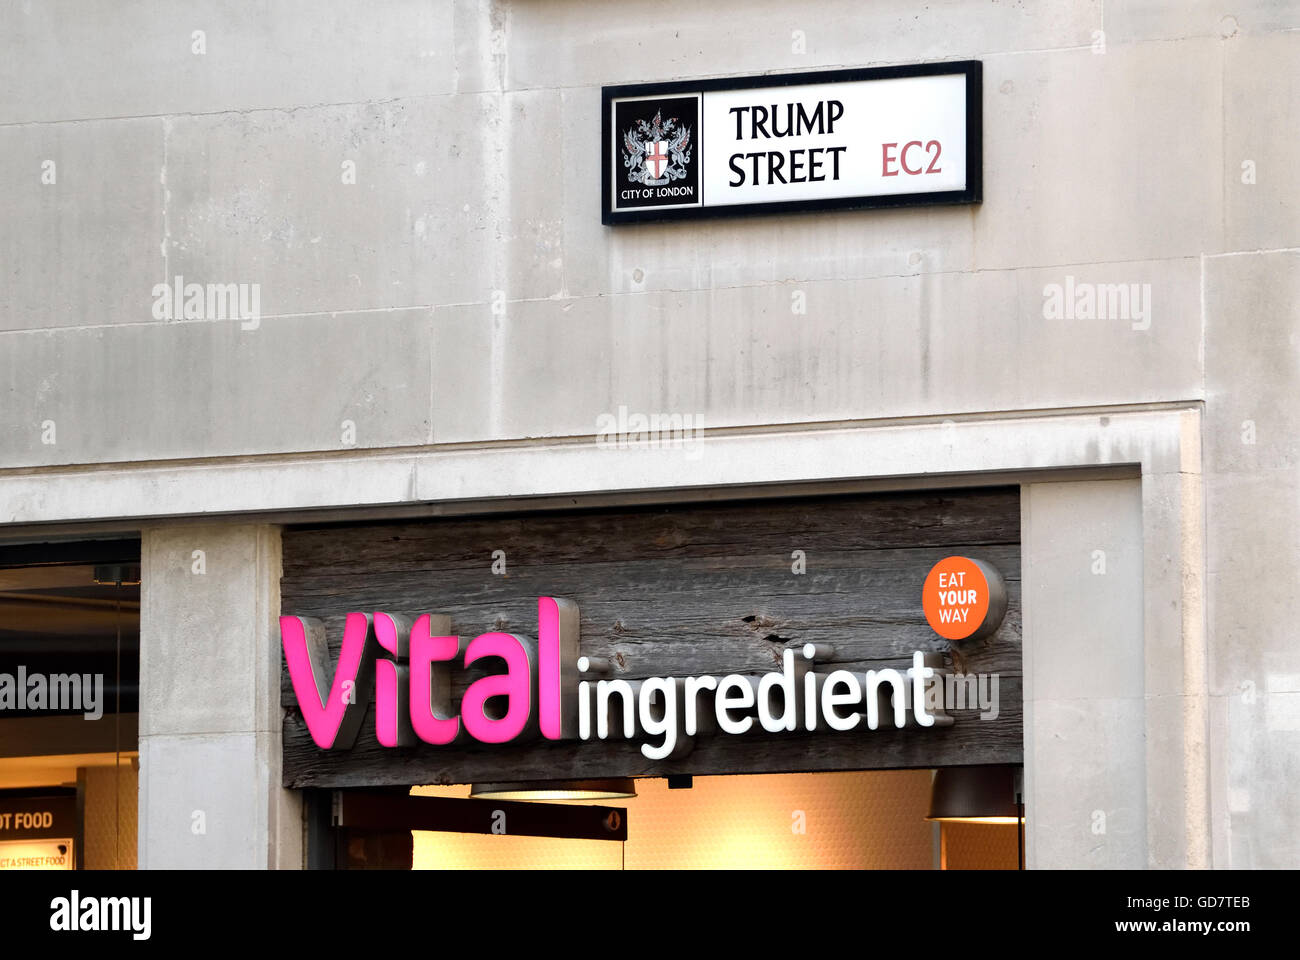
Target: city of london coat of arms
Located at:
point(656, 153)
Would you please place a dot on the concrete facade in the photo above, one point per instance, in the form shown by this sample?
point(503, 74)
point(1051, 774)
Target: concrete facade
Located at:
point(447, 329)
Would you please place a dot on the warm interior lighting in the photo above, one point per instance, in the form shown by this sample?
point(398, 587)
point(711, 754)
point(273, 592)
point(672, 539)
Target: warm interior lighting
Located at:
point(619, 788)
point(974, 795)
point(854, 820)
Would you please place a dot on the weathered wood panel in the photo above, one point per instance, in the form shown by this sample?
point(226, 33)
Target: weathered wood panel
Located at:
point(673, 591)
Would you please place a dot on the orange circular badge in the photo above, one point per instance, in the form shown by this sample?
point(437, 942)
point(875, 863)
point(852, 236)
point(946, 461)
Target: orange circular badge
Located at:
point(957, 597)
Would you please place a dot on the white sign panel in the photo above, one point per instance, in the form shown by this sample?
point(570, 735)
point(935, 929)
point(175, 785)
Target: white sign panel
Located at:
point(892, 136)
point(36, 854)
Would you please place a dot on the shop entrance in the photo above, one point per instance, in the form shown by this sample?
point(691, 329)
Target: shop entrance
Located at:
point(756, 667)
point(69, 703)
point(873, 819)
point(843, 820)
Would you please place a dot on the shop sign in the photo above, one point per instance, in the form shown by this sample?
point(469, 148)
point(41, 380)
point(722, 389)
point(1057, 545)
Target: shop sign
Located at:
point(549, 690)
point(36, 831)
point(888, 136)
point(53, 854)
point(964, 599)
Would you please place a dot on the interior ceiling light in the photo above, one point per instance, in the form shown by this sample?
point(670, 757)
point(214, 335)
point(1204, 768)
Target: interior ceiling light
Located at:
point(112, 574)
point(618, 788)
point(975, 795)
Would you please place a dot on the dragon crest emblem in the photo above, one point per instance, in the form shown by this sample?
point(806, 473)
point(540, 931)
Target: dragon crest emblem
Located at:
point(657, 152)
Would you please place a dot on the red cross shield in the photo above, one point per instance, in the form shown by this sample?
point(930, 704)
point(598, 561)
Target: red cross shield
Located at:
point(656, 158)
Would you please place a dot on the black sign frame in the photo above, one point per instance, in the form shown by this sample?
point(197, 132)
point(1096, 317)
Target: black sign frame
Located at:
point(974, 192)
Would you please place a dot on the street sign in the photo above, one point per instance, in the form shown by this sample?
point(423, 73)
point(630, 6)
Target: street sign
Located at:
point(888, 136)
